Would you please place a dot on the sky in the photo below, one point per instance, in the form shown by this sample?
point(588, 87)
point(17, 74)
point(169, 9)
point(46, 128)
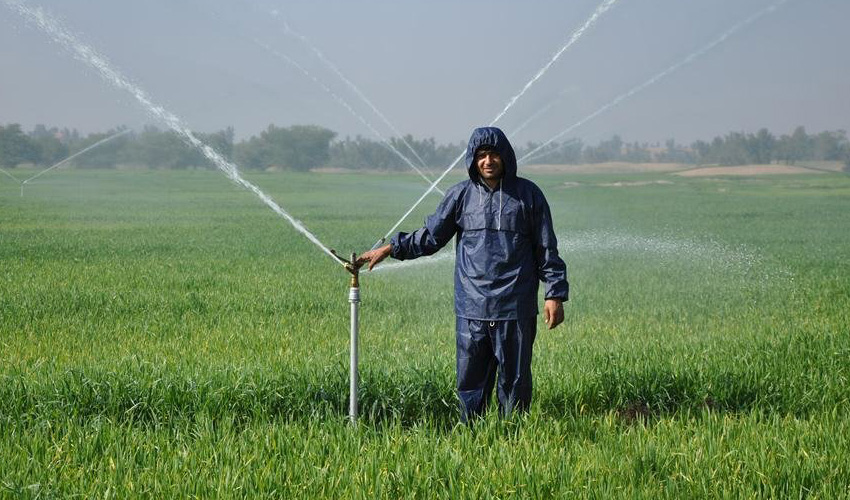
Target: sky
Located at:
point(437, 68)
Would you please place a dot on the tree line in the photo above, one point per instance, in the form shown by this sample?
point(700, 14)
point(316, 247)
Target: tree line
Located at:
point(304, 147)
point(735, 148)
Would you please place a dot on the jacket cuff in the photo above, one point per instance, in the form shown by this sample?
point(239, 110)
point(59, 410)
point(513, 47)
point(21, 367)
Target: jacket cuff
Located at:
point(395, 247)
point(558, 293)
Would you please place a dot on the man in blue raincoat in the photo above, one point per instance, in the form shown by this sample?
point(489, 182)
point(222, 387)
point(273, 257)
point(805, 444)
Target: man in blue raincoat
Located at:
point(506, 246)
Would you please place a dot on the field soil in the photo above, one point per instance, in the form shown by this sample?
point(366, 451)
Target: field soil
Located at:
point(615, 167)
point(748, 170)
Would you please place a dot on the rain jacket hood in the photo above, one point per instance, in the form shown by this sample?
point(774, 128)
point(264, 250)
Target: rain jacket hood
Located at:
point(506, 244)
point(496, 139)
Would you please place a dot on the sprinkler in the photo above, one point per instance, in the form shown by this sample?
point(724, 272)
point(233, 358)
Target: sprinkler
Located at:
point(354, 298)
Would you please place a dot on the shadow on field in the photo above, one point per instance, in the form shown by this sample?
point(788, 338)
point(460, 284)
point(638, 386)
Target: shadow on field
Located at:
point(407, 398)
point(645, 396)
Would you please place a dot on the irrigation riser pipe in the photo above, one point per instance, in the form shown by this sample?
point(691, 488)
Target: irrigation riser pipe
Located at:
point(354, 299)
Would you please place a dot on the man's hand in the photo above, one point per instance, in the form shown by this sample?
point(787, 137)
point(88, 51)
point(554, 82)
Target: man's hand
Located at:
point(372, 257)
point(553, 312)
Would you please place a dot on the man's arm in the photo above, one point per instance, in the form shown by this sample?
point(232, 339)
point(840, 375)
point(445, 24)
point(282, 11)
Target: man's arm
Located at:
point(439, 228)
point(551, 269)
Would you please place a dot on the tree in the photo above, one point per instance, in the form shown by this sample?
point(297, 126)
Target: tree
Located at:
point(15, 146)
point(844, 153)
point(366, 153)
point(425, 149)
point(158, 149)
point(309, 146)
point(795, 147)
point(570, 152)
point(673, 153)
point(635, 153)
point(761, 147)
point(118, 150)
point(299, 147)
point(363, 153)
point(828, 146)
point(734, 150)
point(609, 150)
point(250, 154)
point(221, 142)
point(703, 152)
point(49, 149)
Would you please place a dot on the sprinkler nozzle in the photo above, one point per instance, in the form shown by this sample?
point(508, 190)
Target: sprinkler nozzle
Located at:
point(351, 266)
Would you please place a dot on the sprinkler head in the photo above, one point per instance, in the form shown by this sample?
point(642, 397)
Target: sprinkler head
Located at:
point(351, 266)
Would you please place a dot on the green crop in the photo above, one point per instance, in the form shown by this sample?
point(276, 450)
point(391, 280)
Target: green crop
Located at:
point(164, 334)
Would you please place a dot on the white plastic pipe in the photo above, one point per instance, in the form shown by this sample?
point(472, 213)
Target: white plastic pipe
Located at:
point(354, 299)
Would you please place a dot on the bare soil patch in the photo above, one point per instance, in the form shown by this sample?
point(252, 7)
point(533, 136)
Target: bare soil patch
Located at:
point(615, 167)
point(336, 170)
point(747, 170)
point(633, 183)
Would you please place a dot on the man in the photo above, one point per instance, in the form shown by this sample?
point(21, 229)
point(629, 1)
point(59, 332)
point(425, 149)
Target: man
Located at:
point(505, 247)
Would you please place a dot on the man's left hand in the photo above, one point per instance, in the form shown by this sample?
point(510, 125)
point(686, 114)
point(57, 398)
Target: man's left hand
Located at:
point(553, 312)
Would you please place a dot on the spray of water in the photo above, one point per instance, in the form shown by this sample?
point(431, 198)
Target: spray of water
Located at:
point(443, 256)
point(387, 143)
point(9, 175)
point(719, 258)
point(537, 114)
point(424, 195)
point(601, 9)
point(597, 242)
point(690, 58)
point(356, 90)
point(89, 56)
point(342, 102)
point(78, 153)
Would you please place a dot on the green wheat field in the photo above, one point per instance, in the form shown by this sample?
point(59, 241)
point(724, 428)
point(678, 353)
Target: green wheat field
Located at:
point(164, 334)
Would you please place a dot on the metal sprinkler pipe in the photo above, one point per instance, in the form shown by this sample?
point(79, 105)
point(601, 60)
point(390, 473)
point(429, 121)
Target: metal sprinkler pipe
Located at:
point(354, 299)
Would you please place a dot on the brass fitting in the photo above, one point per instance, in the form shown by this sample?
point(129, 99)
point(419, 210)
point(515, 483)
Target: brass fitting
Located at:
point(351, 266)
point(354, 269)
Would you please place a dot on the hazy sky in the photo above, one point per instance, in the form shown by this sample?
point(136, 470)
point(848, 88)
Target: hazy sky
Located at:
point(436, 68)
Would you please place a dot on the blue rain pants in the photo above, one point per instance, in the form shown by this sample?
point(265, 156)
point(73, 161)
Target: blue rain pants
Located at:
point(486, 347)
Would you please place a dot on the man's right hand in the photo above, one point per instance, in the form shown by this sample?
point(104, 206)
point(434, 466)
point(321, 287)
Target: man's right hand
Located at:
point(372, 257)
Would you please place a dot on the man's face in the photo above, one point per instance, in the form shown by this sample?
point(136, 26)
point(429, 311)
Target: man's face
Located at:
point(490, 166)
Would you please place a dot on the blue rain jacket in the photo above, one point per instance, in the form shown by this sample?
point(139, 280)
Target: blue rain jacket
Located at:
point(505, 241)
